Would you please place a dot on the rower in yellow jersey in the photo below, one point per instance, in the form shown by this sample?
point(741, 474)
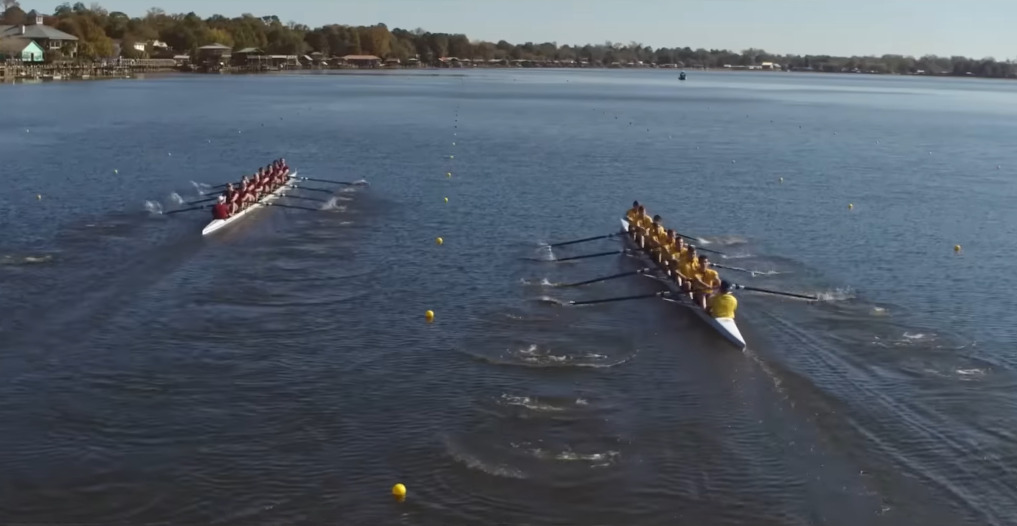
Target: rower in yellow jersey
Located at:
point(688, 267)
point(633, 214)
point(723, 304)
point(705, 282)
point(665, 248)
point(674, 258)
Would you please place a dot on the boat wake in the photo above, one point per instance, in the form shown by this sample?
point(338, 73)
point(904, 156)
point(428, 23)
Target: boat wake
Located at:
point(542, 405)
point(176, 199)
point(535, 356)
point(473, 461)
point(594, 459)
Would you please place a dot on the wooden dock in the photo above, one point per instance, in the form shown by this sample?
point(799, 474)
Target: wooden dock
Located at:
point(25, 72)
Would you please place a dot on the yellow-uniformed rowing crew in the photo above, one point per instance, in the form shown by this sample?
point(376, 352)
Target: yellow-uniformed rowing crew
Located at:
point(693, 273)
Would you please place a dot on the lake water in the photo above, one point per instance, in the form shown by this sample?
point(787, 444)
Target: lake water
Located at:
point(283, 373)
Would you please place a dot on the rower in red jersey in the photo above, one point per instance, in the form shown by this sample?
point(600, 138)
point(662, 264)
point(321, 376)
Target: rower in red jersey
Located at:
point(230, 195)
point(220, 210)
point(246, 193)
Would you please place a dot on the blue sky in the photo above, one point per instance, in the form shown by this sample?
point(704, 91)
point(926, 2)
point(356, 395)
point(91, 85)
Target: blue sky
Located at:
point(975, 28)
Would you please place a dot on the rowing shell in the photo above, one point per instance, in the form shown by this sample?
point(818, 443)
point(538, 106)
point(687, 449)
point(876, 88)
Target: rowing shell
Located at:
point(219, 224)
point(726, 327)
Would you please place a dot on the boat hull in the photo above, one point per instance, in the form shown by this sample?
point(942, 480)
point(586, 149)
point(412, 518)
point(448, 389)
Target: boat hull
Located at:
point(726, 327)
point(218, 224)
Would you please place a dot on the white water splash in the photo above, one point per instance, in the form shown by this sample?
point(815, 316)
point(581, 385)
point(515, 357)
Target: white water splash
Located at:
point(333, 204)
point(25, 260)
point(201, 188)
point(838, 294)
point(176, 199)
point(879, 311)
point(543, 282)
point(554, 301)
point(153, 207)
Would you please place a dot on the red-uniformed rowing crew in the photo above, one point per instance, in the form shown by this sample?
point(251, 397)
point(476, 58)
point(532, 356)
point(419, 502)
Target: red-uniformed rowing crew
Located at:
point(251, 189)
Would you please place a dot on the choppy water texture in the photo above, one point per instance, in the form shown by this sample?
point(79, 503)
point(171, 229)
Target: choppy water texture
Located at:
point(282, 372)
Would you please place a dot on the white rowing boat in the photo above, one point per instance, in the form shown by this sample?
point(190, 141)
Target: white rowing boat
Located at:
point(219, 224)
point(726, 327)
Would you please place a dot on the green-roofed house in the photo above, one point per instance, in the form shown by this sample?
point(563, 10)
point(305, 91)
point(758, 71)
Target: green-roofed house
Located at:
point(48, 38)
point(23, 49)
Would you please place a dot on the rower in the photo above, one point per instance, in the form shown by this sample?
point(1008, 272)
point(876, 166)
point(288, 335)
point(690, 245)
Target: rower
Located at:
point(246, 194)
point(688, 266)
point(220, 210)
point(633, 212)
point(666, 246)
point(704, 282)
point(232, 198)
point(723, 304)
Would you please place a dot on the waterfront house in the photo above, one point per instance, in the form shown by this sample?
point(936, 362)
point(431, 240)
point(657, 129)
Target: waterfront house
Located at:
point(362, 61)
point(214, 54)
point(393, 63)
point(48, 38)
point(249, 56)
point(23, 49)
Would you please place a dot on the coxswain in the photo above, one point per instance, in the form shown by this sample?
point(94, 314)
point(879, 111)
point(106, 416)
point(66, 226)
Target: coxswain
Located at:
point(723, 304)
point(704, 282)
point(220, 210)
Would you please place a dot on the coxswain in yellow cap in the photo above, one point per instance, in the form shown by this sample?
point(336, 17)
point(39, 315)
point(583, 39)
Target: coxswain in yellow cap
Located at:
point(723, 304)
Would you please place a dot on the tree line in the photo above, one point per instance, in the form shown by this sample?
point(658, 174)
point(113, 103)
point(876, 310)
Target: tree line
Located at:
point(98, 28)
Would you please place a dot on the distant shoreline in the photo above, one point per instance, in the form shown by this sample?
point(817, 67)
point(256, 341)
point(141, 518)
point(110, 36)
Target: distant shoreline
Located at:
point(48, 75)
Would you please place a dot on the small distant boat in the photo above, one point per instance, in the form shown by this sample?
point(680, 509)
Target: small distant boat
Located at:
point(681, 76)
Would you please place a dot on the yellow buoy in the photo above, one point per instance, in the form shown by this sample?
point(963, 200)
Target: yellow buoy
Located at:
point(451, 156)
point(851, 206)
point(446, 199)
point(956, 248)
point(439, 240)
point(38, 196)
point(782, 179)
point(429, 316)
point(116, 171)
point(399, 491)
point(449, 174)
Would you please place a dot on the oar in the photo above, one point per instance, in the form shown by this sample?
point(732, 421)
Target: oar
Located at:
point(587, 256)
point(292, 206)
point(739, 269)
point(305, 198)
point(615, 276)
point(314, 189)
point(202, 200)
point(778, 293)
point(621, 298)
point(186, 210)
point(701, 249)
point(584, 240)
point(323, 180)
